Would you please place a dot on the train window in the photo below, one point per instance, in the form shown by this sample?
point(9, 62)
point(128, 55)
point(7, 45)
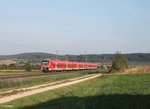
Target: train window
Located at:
point(45, 63)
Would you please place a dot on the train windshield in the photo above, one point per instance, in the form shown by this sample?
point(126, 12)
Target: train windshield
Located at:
point(45, 63)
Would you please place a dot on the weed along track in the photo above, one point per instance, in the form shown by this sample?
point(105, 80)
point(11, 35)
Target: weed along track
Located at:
point(15, 76)
point(19, 93)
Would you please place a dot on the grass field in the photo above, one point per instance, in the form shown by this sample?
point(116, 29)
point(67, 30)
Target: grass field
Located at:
point(26, 82)
point(131, 91)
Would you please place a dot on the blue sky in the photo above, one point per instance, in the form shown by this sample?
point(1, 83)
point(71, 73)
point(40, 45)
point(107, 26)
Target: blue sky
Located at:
point(74, 26)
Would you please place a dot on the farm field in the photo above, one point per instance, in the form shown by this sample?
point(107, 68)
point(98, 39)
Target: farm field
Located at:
point(116, 91)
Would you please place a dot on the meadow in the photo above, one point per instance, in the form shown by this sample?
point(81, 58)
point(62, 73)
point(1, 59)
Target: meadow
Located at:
point(27, 82)
point(115, 91)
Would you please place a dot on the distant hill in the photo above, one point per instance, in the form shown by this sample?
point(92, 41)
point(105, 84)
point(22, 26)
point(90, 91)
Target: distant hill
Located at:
point(37, 57)
point(34, 57)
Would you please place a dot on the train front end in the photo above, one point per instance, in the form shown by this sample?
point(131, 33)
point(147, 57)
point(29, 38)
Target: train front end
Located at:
point(45, 66)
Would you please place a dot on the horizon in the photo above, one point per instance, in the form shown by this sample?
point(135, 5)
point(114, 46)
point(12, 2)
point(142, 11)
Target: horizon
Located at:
point(72, 54)
point(74, 27)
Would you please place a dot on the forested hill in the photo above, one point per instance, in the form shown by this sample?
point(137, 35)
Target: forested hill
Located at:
point(30, 56)
point(37, 57)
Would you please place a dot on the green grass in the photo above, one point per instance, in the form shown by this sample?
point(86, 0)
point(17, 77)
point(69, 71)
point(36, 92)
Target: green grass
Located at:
point(10, 72)
point(116, 91)
point(26, 82)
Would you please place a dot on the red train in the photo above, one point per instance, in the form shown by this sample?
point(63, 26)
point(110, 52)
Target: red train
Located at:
point(59, 65)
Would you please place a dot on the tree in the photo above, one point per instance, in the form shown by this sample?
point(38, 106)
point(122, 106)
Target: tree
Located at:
point(28, 67)
point(120, 63)
point(12, 66)
point(3, 67)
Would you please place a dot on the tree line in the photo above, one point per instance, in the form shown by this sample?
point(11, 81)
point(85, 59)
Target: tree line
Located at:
point(37, 57)
point(19, 67)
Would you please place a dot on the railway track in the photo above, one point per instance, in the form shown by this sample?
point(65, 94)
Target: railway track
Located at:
point(15, 76)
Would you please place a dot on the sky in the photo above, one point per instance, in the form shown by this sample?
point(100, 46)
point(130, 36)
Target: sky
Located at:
point(74, 26)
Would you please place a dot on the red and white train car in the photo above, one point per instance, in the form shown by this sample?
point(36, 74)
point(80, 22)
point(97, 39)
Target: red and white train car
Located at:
point(59, 65)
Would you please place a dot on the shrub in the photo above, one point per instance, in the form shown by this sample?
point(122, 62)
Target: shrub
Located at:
point(28, 67)
point(120, 63)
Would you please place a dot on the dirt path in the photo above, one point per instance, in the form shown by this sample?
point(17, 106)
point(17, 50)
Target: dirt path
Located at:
point(12, 95)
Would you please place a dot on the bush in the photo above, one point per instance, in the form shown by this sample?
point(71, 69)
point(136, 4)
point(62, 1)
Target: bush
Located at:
point(12, 66)
point(120, 63)
point(28, 67)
